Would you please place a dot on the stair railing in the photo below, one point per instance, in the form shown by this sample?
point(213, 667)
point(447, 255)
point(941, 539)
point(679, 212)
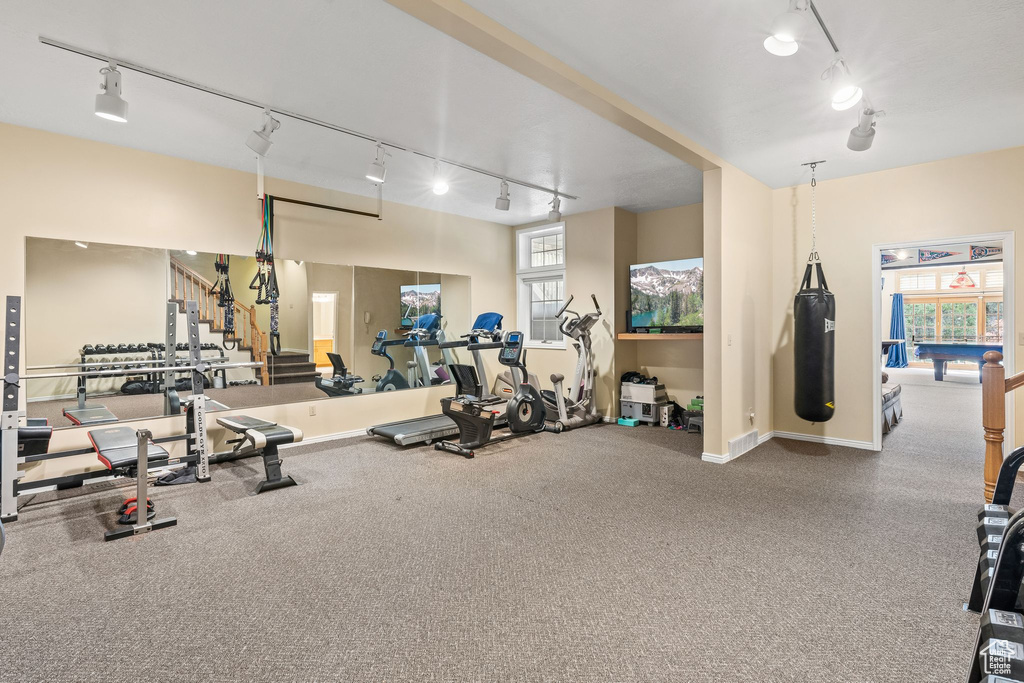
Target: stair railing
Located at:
point(188, 284)
point(994, 388)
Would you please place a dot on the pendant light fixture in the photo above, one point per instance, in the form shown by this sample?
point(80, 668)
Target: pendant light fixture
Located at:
point(259, 140)
point(440, 184)
point(377, 172)
point(555, 214)
point(787, 30)
point(502, 203)
point(962, 281)
point(845, 91)
point(109, 104)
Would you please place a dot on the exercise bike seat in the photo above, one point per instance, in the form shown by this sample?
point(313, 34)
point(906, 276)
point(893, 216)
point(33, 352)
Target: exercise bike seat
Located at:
point(118, 448)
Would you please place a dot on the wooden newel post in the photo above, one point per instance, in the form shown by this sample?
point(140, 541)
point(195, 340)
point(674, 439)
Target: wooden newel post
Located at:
point(993, 417)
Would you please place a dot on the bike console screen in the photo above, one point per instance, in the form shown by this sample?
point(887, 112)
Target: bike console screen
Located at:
point(513, 348)
point(378, 344)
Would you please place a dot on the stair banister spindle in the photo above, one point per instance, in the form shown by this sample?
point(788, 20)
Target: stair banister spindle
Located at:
point(994, 386)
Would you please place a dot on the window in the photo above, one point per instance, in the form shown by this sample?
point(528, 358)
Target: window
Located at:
point(959, 321)
point(547, 250)
point(920, 321)
point(540, 268)
point(917, 282)
point(994, 321)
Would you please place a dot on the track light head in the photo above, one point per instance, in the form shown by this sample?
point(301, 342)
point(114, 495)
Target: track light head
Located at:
point(259, 140)
point(863, 134)
point(845, 91)
point(440, 184)
point(502, 202)
point(787, 30)
point(109, 104)
point(377, 172)
point(555, 214)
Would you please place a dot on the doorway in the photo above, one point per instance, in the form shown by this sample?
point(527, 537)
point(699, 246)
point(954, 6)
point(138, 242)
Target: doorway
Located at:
point(952, 300)
point(325, 333)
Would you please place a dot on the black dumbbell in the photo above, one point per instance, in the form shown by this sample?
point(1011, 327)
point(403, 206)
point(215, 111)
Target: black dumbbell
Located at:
point(87, 349)
point(1002, 625)
point(1004, 656)
point(994, 511)
point(991, 526)
point(100, 348)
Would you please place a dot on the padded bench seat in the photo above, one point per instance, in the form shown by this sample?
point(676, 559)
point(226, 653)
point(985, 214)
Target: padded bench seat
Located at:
point(261, 433)
point(118, 448)
point(892, 410)
point(90, 415)
point(34, 439)
point(263, 437)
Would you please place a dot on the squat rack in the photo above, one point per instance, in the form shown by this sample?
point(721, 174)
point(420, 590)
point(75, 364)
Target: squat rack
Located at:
point(10, 417)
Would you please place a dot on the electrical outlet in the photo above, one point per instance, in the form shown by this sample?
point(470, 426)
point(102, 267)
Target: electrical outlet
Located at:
point(312, 411)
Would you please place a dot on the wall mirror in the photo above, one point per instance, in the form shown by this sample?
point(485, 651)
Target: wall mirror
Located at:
point(344, 330)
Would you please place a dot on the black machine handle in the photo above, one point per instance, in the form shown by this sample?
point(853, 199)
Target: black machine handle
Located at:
point(596, 305)
point(566, 305)
point(420, 342)
point(453, 344)
point(485, 345)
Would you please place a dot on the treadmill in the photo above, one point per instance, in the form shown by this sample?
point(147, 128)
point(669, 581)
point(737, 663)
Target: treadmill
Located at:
point(486, 334)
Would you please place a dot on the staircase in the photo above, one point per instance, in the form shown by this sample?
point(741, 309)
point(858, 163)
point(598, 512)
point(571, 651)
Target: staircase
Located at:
point(291, 368)
point(191, 286)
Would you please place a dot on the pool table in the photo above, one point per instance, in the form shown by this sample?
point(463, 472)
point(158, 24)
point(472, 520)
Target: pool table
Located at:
point(939, 353)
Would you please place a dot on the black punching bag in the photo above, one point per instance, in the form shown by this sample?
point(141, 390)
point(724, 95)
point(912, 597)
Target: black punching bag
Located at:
point(814, 344)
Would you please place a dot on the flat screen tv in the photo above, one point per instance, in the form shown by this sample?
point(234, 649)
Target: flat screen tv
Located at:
point(668, 295)
point(417, 300)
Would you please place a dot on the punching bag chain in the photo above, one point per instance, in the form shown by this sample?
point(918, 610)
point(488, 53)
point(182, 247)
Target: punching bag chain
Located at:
point(814, 218)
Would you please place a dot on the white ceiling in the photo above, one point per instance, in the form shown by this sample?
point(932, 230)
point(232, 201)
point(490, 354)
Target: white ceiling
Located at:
point(359, 63)
point(946, 72)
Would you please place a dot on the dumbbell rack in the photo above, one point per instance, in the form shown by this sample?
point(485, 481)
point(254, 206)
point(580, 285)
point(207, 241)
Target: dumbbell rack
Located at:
point(999, 646)
point(149, 372)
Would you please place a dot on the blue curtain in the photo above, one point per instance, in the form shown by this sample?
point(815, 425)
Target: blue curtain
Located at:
point(897, 330)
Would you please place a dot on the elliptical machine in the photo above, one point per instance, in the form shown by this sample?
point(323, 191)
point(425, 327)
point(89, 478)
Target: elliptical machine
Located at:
point(475, 415)
point(577, 408)
point(392, 380)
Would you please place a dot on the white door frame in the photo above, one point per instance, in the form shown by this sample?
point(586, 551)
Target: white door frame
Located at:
point(1009, 328)
point(334, 339)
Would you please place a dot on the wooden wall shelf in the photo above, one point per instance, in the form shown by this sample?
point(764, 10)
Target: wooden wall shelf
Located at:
point(665, 336)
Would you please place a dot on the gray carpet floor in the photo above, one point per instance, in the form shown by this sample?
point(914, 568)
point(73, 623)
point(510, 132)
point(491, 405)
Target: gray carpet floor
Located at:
point(607, 554)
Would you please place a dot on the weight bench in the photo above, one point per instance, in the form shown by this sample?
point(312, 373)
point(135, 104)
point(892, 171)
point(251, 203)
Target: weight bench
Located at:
point(85, 414)
point(127, 453)
point(263, 437)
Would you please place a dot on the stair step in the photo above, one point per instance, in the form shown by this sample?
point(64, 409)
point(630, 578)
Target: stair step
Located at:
point(294, 377)
point(288, 359)
point(291, 369)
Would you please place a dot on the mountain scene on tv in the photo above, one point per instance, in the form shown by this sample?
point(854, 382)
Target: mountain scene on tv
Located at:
point(420, 300)
point(667, 294)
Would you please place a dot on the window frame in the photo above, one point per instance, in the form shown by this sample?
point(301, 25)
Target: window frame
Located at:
point(527, 275)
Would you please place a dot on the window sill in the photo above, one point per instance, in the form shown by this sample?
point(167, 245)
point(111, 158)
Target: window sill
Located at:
point(553, 346)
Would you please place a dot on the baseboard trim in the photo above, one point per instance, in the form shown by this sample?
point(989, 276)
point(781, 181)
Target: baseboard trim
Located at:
point(765, 437)
point(827, 440)
point(716, 458)
point(337, 436)
point(55, 397)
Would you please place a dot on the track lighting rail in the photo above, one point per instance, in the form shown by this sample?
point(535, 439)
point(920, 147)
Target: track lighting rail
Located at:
point(291, 114)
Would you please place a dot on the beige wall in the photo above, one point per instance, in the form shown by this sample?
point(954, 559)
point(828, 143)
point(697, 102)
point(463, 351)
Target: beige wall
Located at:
point(69, 188)
point(676, 233)
point(964, 196)
point(589, 269)
point(738, 391)
point(105, 294)
point(322, 277)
